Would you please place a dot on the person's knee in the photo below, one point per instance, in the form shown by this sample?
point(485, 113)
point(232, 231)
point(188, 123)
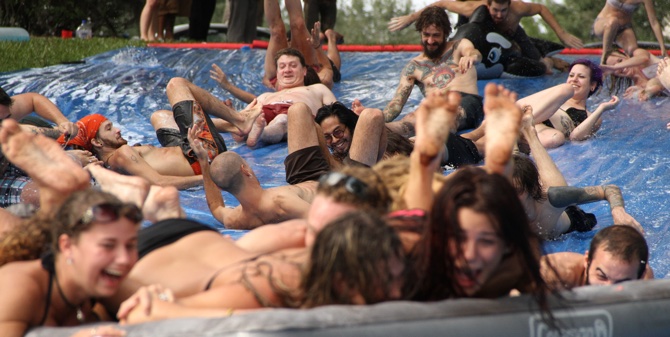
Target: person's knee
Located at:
point(299, 111)
point(372, 115)
point(176, 84)
point(160, 116)
point(611, 23)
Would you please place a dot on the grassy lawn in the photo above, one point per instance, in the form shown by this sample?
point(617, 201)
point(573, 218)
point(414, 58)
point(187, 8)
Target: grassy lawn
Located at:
point(45, 51)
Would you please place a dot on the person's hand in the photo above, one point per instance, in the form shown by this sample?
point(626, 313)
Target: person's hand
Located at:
point(69, 129)
point(572, 41)
point(219, 76)
point(631, 92)
point(100, 331)
point(400, 23)
point(138, 306)
point(315, 38)
point(611, 104)
point(196, 144)
point(466, 62)
point(621, 217)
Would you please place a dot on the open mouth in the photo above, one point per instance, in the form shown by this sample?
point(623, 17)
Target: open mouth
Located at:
point(112, 277)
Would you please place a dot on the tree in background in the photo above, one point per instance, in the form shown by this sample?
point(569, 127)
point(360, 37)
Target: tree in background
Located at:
point(365, 22)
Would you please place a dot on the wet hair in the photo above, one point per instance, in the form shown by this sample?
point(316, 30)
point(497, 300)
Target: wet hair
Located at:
point(291, 52)
point(397, 144)
point(68, 219)
point(596, 73)
point(526, 177)
point(624, 243)
point(5, 99)
point(339, 110)
point(344, 263)
point(226, 173)
point(311, 77)
point(373, 196)
point(434, 16)
point(617, 84)
point(491, 195)
point(394, 172)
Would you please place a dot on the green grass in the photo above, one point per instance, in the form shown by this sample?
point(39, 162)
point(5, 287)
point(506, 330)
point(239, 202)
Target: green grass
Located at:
point(46, 51)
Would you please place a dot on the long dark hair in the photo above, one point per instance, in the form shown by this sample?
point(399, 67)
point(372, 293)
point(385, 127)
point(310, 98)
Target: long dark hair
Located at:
point(494, 196)
point(339, 110)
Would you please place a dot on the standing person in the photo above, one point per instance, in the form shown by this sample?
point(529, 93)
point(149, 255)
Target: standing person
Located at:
point(149, 20)
point(201, 15)
point(324, 11)
point(614, 24)
point(242, 23)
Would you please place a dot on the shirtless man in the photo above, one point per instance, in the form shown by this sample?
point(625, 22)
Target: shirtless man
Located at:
point(441, 66)
point(163, 166)
point(506, 16)
point(16, 186)
point(549, 202)
point(616, 254)
point(291, 70)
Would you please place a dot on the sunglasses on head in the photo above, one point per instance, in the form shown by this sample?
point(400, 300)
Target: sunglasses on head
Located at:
point(352, 184)
point(108, 212)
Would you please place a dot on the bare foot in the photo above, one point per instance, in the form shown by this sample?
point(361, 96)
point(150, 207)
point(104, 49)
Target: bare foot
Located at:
point(560, 64)
point(43, 159)
point(502, 127)
point(250, 115)
point(276, 130)
point(130, 189)
point(256, 131)
point(238, 138)
point(527, 126)
point(434, 117)
point(334, 36)
point(357, 106)
point(162, 203)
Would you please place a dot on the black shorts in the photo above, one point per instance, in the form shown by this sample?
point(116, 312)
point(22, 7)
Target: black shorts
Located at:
point(172, 137)
point(305, 165)
point(461, 151)
point(165, 232)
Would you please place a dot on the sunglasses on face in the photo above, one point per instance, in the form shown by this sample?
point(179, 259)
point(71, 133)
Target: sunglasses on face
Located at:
point(337, 133)
point(108, 212)
point(351, 184)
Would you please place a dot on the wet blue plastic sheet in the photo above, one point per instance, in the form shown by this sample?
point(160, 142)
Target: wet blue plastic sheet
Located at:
point(630, 150)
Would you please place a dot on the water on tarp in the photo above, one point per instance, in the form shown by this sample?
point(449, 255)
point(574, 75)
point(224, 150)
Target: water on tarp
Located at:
point(127, 85)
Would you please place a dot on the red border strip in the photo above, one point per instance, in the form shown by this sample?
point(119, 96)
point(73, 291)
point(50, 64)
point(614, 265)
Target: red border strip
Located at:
point(350, 47)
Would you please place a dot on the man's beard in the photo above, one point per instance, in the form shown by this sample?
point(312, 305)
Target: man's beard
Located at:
point(434, 54)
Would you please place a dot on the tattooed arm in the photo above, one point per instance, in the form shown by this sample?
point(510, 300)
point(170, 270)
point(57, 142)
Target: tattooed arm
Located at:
point(564, 196)
point(405, 87)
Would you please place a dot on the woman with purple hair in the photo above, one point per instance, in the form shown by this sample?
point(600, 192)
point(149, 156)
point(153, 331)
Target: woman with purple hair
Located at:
point(572, 121)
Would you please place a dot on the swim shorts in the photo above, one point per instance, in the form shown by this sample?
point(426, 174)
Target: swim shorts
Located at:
point(270, 111)
point(461, 151)
point(165, 232)
point(305, 165)
point(171, 137)
point(579, 220)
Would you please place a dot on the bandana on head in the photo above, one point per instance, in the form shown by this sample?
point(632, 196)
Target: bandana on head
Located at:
point(88, 129)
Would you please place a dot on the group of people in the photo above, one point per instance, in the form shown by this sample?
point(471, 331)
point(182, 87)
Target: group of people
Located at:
point(355, 176)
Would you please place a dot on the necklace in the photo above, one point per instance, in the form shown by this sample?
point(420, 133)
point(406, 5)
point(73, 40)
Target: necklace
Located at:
point(80, 314)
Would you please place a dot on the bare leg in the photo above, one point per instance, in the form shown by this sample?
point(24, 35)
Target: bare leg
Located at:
point(609, 34)
point(303, 132)
point(333, 52)
point(162, 203)
point(149, 11)
point(502, 128)
point(163, 119)
point(434, 112)
point(549, 173)
point(130, 189)
point(276, 131)
point(54, 172)
point(256, 131)
point(277, 38)
point(663, 73)
point(369, 142)
point(546, 102)
point(325, 68)
point(180, 89)
point(300, 35)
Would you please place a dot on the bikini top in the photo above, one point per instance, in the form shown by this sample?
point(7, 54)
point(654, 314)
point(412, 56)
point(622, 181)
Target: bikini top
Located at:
point(577, 115)
point(629, 8)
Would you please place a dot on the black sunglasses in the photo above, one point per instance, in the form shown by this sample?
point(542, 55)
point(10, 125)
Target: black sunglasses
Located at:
point(352, 184)
point(337, 133)
point(108, 212)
